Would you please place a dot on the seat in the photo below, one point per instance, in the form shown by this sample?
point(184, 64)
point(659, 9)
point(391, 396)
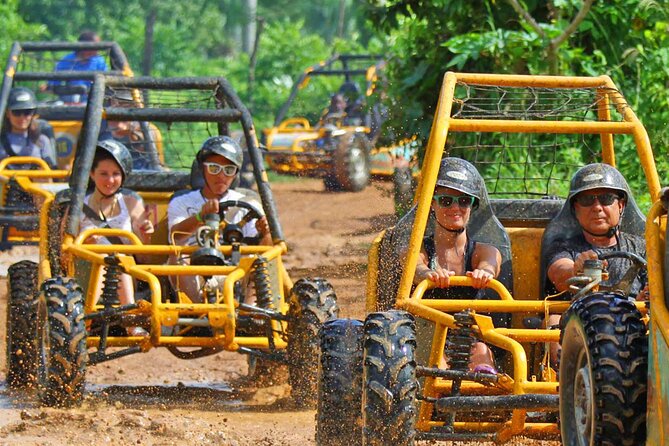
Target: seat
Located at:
point(565, 226)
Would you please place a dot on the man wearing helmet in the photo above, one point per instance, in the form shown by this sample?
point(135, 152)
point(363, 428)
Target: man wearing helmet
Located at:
point(597, 196)
point(450, 252)
point(21, 135)
point(220, 159)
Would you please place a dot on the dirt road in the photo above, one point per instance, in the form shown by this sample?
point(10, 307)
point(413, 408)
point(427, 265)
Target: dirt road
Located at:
point(156, 399)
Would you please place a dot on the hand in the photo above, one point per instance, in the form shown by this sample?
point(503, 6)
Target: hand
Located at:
point(644, 294)
point(209, 207)
point(440, 276)
point(480, 277)
point(580, 260)
point(262, 225)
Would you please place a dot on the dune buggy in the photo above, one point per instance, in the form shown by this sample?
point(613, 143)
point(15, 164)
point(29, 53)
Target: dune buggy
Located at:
point(31, 64)
point(344, 147)
point(56, 329)
point(385, 376)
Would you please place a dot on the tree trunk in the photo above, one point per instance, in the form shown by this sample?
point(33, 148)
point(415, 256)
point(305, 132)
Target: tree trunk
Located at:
point(147, 61)
point(341, 20)
point(249, 26)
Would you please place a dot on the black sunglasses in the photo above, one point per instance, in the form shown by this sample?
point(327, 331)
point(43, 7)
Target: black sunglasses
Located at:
point(605, 199)
point(444, 200)
point(26, 112)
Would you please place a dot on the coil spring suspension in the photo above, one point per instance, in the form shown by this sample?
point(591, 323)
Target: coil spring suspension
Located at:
point(460, 341)
point(262, 282)
point(458, 351)
point(111, 281)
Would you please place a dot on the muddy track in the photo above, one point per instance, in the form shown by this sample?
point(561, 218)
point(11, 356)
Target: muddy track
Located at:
point(156, 399)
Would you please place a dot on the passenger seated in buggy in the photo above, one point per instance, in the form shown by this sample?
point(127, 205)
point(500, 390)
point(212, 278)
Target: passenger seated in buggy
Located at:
point(110, 206)
point(450, 251)
point(219, 159)
point(599, 216)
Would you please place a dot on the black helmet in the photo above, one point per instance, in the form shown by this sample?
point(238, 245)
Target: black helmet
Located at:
point(21, 98)
point(224, 146)
point(596, 176)
point(119, 152)
point(458, 174)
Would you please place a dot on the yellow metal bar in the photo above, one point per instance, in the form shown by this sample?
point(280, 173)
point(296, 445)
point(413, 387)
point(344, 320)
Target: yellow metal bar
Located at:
point(435, 150)
point(185, 341)
point(464, 281)
point(518, 80)
point(494, 125)
point(604, 114)
point(655, 255)
point(373, 273)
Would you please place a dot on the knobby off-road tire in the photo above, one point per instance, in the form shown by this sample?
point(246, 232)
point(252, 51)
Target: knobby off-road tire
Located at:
point(403, 190)
point(312, 302)
point(603, 368)
point(339, 415)
point(389, 379)
point(351, 163)
point(22, 324)
point(63, 355)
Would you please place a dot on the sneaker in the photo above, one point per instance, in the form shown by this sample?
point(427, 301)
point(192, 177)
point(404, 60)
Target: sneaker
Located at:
point(486, 368)
point(137, 332)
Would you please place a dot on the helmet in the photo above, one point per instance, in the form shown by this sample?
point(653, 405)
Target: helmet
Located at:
point(21, 98)
point(119, 152)
point(224, 146)
point(458, 174)
point(596, 176)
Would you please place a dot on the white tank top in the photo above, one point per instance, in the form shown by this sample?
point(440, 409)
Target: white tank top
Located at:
point(120, 221)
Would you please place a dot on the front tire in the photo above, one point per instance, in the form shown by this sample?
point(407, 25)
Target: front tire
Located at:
point(389, 379)
point(22, 324)
point(63, 353)
point(603, 368)
point(340, 384)
point(312, 302)
point(352, 162)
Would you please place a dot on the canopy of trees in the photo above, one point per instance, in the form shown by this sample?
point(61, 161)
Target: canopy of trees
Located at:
point(626, 39)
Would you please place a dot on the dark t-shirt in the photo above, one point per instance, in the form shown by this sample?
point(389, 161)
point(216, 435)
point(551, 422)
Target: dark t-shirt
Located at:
point(570, 248)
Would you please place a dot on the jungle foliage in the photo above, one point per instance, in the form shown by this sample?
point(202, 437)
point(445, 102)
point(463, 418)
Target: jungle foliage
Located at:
point(626, 39)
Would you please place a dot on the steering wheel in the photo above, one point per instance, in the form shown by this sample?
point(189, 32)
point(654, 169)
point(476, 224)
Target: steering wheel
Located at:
point(232, 232)
point(624, 285)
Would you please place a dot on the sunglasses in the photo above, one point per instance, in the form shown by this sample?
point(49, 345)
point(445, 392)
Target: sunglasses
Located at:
point(464, 201)
point(23, 112)
point(605, 199)
point(228, 170)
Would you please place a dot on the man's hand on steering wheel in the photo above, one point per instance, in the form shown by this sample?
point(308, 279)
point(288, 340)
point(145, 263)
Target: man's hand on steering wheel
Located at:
point(232, 232)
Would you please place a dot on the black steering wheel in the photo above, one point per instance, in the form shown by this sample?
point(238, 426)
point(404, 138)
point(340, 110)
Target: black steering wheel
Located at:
point(232, 232)
point(624, 285)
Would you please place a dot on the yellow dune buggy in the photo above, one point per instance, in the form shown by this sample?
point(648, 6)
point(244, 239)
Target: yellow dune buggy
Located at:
point(31, 64)
point(344, 147)
point(384, 377)
point(56, 328)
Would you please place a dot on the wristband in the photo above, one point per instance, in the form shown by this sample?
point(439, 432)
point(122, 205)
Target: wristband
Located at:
point(198, 217)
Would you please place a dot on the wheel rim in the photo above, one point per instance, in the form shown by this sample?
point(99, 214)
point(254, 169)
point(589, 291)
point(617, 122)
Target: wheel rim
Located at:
point(358, 164)
point(583, 404)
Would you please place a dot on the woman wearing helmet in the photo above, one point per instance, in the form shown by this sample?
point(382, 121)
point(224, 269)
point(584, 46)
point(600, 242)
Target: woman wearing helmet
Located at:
point(220, 159)
point(450, 251)
point(21, 135)
point(108, 206)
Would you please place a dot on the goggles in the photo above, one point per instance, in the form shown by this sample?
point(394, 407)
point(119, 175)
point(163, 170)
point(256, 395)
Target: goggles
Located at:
point(23, 112)
point(605, 199)
point(229, 170)
point(463, 201)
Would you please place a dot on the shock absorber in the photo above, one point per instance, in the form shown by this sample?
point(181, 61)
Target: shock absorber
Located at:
point(111, 280)
point(458, 352)
point(262, 282)
point(460, 341)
